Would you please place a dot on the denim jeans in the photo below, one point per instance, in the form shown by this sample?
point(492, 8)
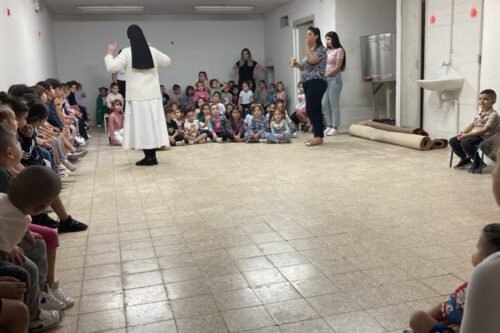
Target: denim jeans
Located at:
point(275, 139)
point(331, 101)
point(467, 148)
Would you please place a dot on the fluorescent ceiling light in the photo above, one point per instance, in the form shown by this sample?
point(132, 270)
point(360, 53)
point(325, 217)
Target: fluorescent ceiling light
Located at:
point(110, 9)
point(219, 9)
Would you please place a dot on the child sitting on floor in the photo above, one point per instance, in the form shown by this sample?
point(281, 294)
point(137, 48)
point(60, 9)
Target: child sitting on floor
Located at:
point(174, 135)
point(114, 95)
point(280, 132)
point(115, 128)
point(176, 96)
point(101, 106)
point(483, 126)
point(300, 109)
point(280, 92)
point(257, 128)
point(204, 118)
point(216, 99)
point(227, 97)
point(271, 93)
point(450, 312)
point(218, 125)
point(236, 127)
point(192, 129)
point(201, 92)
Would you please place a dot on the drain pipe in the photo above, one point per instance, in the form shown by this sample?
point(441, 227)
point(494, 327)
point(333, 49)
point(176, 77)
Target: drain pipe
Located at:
point(451, 34)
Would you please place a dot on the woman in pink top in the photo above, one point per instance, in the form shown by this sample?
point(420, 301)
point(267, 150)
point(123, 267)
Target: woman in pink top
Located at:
point(331, 99)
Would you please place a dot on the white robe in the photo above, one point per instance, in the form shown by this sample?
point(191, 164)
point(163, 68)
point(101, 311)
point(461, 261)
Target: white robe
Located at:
point(144, 126)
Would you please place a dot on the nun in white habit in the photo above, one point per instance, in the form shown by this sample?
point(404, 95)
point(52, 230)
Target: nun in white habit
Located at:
point(145, 126)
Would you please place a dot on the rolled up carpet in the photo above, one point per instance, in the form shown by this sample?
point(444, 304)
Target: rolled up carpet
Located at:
point(413, 141)
point(439, 143)
point(392, 128)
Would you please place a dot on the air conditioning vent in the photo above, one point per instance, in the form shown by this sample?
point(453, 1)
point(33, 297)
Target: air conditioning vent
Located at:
point(284, 21)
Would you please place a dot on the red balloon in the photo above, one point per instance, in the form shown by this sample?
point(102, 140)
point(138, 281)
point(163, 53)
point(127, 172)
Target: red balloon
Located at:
point(433, 19)
point(473, 12)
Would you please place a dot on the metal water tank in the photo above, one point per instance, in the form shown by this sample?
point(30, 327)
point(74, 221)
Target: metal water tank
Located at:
point(378, 57)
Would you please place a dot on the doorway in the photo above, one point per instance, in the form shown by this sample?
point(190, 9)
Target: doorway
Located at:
point(299, 35)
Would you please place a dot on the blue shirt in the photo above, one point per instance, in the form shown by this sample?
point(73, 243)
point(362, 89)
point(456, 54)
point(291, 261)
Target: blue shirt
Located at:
point(53, 119)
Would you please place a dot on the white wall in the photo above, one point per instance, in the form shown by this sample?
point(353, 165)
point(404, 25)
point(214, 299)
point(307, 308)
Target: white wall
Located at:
point(25, 57)
point(351, 19)
point(409, 63)
point(205, 43)
point(356, 18)
point(466, 49)
point(490, 71)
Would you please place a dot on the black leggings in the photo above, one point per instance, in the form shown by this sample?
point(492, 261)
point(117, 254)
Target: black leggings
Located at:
point(122, 87)
point(314, 91)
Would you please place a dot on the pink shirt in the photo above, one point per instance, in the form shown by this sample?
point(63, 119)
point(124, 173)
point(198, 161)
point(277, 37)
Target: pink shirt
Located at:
point(281, 95)
point(201, 94)
point(115, 124)
point(331, 61)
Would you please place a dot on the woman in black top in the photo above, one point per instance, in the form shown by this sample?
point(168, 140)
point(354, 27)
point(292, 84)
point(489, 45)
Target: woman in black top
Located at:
point(246, 68)
point(313, 68)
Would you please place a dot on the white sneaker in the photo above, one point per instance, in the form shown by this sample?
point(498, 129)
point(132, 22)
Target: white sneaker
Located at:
point(327, 130)
point(219, 140)
point(179, 143)
point(190, 142)
point(294, 135)
point(50, 302)
point(332, 132)
point(263, 140)
point(62, 171)
point(46, 319)
point(208, 140)
point(58, 293)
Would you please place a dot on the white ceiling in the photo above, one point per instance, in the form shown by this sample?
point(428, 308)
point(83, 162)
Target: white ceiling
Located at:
point(164, 7)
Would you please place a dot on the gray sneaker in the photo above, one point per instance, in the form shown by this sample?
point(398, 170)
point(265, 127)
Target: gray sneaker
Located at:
point(58, 293)
point(50, 302)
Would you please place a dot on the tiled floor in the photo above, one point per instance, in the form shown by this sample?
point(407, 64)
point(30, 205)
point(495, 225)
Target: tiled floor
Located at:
point(348, 237)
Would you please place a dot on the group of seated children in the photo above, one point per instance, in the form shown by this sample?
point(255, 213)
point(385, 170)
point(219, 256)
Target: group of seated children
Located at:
point(214, 113)
point(480, 133)
point(210, 111)
point(30, 296)
point(38, 130)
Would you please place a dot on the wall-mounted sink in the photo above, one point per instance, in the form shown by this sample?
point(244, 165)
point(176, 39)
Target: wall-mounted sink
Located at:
point(442, 85)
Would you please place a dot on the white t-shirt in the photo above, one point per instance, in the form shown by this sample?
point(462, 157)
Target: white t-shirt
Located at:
point(112, 97)
point(222, 108)
point(482, 301)
point(246, 97)
point(120, 75)
point(195, 125)
point(13, 224)
point(301, 102)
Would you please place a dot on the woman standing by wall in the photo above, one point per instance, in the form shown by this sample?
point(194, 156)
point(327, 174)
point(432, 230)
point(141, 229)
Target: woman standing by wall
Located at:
point(334, 66)
point(246, 68)
point(145, 126)
point(313, 68)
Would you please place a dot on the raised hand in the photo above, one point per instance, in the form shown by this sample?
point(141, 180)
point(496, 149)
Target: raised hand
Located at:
point(112, 48)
